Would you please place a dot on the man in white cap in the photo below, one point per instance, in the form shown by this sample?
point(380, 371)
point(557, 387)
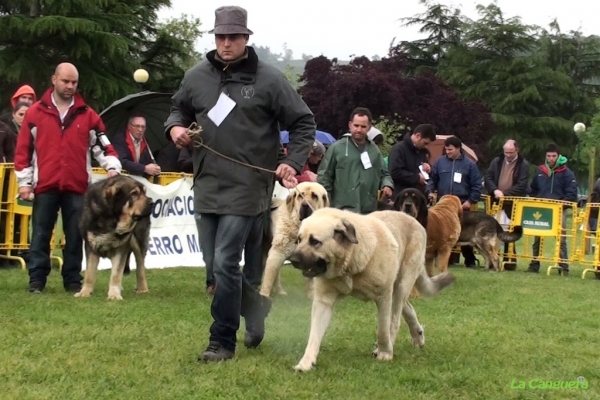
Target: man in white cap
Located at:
point(375, 136)
point(240, 102)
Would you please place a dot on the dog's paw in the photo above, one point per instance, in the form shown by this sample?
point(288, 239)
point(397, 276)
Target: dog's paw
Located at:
point(383, 356)
point(83, 293)
point(114, 294)
point(304, 366)
point(281, 292)
point(418, 340)
point(142, 290)
point(115, 297)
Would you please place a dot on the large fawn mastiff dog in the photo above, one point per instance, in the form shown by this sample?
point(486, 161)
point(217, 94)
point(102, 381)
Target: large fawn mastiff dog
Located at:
point(377, 257)
point(285, 222)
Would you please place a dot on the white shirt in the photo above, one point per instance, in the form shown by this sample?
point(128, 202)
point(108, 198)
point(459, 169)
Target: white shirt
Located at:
point(136, 144)
point(62, 115)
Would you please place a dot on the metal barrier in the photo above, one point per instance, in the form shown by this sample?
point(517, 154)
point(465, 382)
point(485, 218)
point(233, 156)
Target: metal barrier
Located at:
point(589, 241)
point(15, 215)
point(545, 225)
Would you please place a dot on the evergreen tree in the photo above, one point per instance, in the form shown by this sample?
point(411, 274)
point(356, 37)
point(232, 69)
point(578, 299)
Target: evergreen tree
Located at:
point(499, 62)
point(105, 39)
point(442, 24)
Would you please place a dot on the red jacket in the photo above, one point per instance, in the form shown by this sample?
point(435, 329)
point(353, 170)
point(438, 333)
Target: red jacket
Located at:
point(52, 155)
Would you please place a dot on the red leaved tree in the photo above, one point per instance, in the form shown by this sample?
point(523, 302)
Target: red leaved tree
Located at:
point(332, 91)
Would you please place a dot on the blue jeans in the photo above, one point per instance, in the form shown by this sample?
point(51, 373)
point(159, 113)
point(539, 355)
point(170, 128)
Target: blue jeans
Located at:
point(222, 240)
point(563, 246)
point(253, 253)
point(44, 216)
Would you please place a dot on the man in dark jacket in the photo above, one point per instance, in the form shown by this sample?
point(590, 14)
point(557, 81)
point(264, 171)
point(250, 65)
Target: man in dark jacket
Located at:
point(508, 175)
point(554, 181)
point(456, 174)
point(408, 157)
point(133, 150)
point(241, 103)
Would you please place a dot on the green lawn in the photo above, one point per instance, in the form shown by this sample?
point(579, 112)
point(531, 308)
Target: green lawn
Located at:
point(481, 334)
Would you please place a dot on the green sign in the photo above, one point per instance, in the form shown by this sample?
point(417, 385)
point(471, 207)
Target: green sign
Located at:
point(537, 218)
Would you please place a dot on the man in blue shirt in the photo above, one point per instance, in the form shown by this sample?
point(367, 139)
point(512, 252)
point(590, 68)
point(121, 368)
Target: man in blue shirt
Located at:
point(455, 174)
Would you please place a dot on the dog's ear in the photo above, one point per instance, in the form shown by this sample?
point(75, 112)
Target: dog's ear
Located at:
point(345, 231)
point(398, 203)
point(423, 214)
point(325, 200)
point(289, 201)
point(116, 196)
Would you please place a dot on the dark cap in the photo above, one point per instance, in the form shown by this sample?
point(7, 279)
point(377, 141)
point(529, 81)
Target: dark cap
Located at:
point(318, 149)
point(231, 20)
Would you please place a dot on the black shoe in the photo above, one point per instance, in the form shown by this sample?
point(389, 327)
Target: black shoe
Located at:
point(73, 287)
point(255, 326)
point(471, 265)
point(510, 266)
point(35, 288)
point(534, 268)
point(563, 271)
point(216, 352)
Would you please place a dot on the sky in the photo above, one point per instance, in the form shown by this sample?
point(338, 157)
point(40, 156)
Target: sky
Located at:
point(338, 28)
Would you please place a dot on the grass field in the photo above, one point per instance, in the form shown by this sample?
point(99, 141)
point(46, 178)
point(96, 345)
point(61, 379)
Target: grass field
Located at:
point(481, 334)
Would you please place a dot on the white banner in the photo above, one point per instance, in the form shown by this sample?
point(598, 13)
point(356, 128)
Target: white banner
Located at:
point(173, 233)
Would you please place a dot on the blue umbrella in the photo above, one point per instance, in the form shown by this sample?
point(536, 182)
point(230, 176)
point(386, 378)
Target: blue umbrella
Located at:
point(323, 137)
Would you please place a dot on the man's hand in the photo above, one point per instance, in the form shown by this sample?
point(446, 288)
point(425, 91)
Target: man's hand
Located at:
point(285, 172)
point(422, 180)
point(498, 193)
point(290, 183)
point(431, 197)
point(112, 172)
point(180, 137)
point(152, 169)
point(312, 176)
point(387, 191)
point(466, 205)
point(26, 193)
point(426, 167)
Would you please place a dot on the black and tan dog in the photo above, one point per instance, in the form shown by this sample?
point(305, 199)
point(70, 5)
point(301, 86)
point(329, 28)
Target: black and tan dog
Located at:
point(115, 221)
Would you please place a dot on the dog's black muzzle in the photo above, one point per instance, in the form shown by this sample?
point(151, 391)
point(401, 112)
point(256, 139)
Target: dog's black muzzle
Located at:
point(309, 266)
point(146, 212)
point(305, 211)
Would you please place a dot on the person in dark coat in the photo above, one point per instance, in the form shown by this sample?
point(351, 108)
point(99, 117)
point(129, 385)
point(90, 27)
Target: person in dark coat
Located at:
point(555, 181)
point(134, 153)
point(241, 103)
point(456, 174)
point(508, 175)
point(408, 156)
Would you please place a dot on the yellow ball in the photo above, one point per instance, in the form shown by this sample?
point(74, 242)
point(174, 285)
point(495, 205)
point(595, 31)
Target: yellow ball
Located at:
point(141, 76)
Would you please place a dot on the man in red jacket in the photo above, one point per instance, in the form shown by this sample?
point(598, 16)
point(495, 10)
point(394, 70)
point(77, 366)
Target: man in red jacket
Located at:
point(309, 172)
point(52, 162)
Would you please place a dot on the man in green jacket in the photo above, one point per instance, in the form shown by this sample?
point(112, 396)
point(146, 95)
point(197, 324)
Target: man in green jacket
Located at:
point(353, 170)
point(241, 103)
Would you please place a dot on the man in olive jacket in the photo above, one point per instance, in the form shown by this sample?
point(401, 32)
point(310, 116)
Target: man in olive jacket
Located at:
point(254, 100)
point(353, 170)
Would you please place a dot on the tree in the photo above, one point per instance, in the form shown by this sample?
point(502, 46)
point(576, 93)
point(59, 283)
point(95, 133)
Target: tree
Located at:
point(265, 54)
point(171, 51)
point(106, 40)
point(332, 91)
point(442, 24)
point(292, 76)
point(500, 63)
